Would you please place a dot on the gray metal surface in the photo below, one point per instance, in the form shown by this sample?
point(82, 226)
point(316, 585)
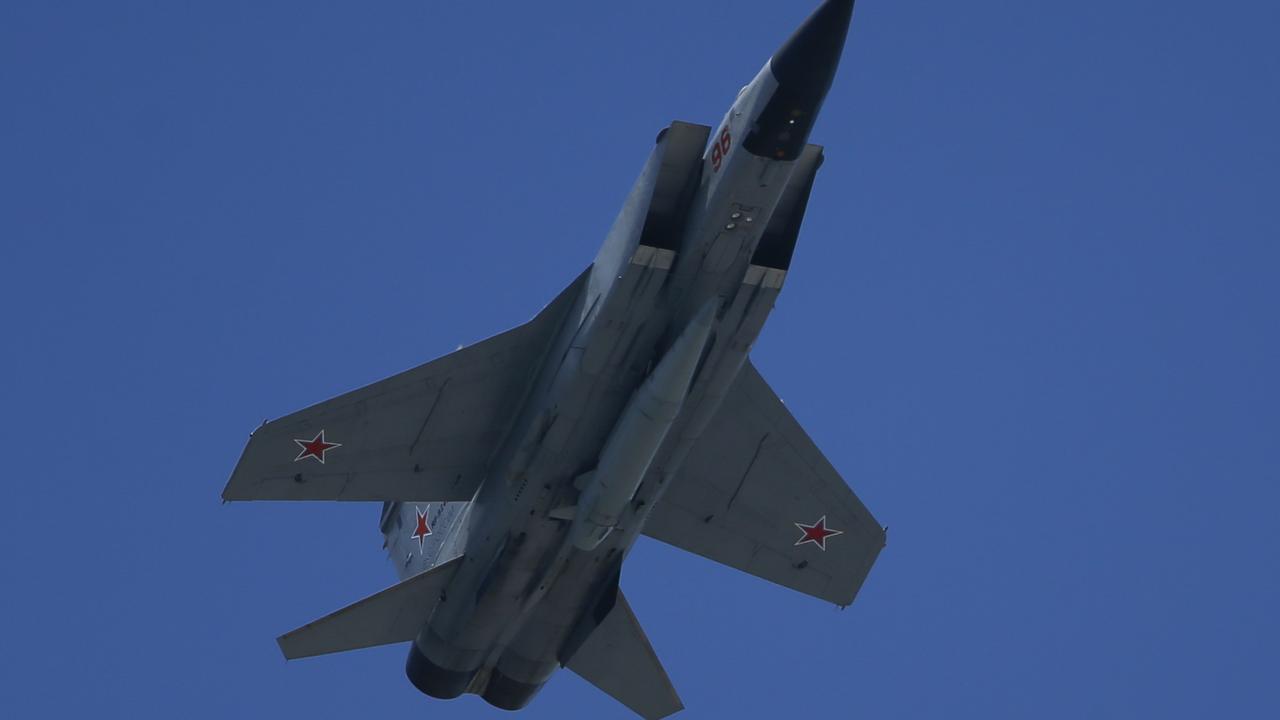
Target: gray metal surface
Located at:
point(751, 477)
point(618, 659)
point(391, 616)
point(424, 434)
point(643, 426)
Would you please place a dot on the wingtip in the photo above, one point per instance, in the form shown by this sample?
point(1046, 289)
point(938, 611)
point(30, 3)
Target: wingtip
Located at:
point(229, 493)
point(284, 650)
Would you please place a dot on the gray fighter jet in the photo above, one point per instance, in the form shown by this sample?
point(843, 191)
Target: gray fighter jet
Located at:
point(517, 473)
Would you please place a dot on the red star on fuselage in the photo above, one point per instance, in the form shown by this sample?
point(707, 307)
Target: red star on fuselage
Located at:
point(316, 447)
point(816, 533)
point(421, 532)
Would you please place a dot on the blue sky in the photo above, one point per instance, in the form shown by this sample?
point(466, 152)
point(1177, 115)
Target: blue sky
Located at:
point(1032, 319)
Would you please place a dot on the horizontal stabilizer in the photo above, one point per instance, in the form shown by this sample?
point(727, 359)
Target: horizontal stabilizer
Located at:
point(618, 659)
point(391, 616)
point(424, 435)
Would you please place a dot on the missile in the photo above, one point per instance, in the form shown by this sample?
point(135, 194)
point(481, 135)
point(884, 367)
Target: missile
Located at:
point(639, 433)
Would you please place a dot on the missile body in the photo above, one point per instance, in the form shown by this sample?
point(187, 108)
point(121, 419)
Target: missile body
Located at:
point(639, 433)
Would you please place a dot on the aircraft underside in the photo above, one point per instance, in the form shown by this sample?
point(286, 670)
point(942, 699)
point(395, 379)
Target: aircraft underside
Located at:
point(516, 474)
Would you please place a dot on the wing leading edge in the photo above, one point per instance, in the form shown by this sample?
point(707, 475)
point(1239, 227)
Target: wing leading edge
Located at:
point(756, 494)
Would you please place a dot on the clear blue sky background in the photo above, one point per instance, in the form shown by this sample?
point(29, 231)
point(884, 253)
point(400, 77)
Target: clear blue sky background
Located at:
point(1032, 319)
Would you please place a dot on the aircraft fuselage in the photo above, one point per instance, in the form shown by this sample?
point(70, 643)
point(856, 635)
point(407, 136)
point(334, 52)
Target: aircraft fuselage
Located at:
point(668, 316)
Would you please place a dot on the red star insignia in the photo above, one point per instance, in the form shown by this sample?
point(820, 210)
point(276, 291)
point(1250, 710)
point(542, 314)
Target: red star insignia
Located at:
point(421, 532)
point(316, 447)
point(816, 533)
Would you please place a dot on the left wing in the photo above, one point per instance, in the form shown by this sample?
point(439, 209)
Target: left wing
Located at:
point(423, 435)
point(756, 494)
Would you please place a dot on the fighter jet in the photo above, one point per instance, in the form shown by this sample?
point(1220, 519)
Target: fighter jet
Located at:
point(516, 474)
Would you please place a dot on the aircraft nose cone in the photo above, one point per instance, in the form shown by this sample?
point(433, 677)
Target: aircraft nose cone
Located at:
point(804, 67)
point(808, 58)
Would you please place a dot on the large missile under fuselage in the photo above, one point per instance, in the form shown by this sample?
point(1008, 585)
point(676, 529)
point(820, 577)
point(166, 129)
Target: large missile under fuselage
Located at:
point(644, 424)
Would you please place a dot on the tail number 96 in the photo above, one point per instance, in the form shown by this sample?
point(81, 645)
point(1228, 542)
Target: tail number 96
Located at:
point(720, 150)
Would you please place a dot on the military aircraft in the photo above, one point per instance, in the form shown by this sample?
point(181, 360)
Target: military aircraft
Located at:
point(517, 473)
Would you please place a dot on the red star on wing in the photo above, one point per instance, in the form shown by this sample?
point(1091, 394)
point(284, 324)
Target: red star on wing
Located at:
point(316, 447)
point(816, 533)
point(421, 532)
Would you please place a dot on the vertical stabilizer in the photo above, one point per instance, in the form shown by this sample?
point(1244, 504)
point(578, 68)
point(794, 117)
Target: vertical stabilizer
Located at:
point(618, 659)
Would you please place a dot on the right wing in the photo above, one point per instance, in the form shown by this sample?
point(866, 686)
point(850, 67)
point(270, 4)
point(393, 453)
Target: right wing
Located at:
point(423, 435)
point(756, 494)
point(618, 659)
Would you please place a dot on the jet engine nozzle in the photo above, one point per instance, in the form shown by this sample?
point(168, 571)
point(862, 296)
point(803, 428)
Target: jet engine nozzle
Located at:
point(433, 680)
point(507, 693)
